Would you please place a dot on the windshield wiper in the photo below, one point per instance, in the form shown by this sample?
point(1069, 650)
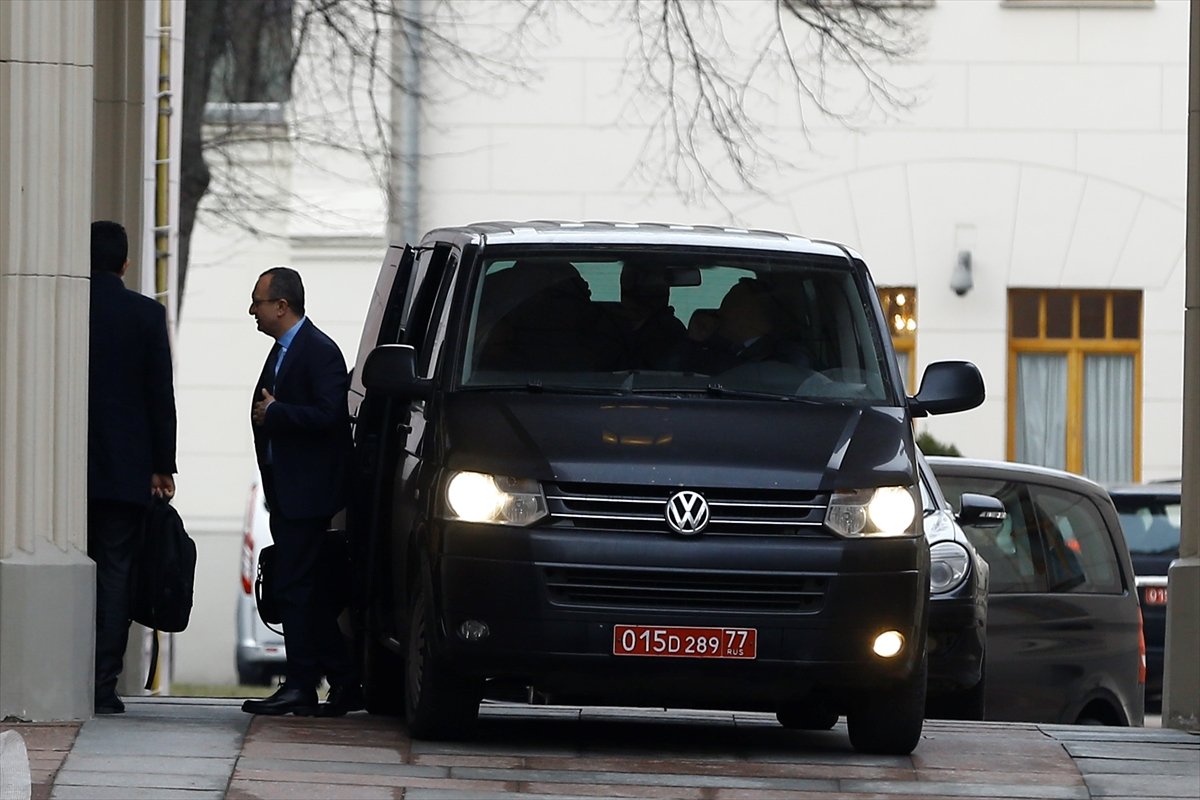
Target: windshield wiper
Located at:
point(537, 387)
point(717, 390)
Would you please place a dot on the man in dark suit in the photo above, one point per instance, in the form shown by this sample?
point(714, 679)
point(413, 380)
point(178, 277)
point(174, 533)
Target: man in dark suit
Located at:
point(131, 441)
point(302, 440)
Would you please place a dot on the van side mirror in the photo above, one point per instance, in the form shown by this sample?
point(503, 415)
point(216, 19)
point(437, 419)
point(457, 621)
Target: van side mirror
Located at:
point(946, 387)
point(391, 370)
point(981, 511)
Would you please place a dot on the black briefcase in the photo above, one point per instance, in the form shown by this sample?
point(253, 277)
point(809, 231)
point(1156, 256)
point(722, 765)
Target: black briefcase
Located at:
point(333, 580)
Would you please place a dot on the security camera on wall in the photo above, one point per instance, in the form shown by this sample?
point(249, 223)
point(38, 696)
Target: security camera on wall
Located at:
point(961, 280)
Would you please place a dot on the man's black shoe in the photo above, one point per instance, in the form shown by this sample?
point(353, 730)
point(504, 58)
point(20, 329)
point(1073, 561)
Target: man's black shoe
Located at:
point(109, 705)
point(286, 700)
point(342, 700)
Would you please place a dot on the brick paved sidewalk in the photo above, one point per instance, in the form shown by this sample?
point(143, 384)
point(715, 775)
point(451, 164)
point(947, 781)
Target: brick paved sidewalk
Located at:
point(166, 748)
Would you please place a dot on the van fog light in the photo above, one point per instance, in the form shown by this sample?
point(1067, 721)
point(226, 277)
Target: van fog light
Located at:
point(888, 644)
point(473, 631)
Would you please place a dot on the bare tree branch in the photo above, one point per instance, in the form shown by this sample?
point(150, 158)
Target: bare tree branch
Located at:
point(707, 79)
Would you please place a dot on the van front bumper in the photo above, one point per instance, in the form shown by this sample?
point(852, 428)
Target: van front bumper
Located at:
point(550, 599)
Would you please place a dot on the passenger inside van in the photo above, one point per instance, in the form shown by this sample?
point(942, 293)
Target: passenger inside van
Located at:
point(654, 337)
point(750, 327)
point(539, 316)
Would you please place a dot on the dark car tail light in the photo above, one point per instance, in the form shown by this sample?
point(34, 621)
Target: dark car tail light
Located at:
point(248, 542)
point(1141, 649)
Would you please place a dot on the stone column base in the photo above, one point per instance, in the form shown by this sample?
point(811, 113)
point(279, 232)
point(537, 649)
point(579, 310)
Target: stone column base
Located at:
point(1181, 679)
point(47, 636)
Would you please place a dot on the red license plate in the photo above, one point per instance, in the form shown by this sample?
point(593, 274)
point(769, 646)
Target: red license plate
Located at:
point(648, 640)
point(1155, 595)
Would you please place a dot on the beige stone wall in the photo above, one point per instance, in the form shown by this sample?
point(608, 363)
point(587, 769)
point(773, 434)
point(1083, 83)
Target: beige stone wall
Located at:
point(46, 579)
point(70, 139)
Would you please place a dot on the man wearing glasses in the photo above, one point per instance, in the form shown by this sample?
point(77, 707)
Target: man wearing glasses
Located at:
point(302, 441)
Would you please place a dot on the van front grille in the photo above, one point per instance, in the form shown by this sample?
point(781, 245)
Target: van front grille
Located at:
point(629, 587)
point(732, 512)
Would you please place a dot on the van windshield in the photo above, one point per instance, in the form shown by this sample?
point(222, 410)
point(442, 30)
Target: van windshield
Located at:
point(726, 325)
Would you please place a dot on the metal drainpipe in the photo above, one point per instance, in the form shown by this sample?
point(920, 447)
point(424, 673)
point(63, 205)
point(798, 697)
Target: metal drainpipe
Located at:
point(162, 160)
point(404, 192)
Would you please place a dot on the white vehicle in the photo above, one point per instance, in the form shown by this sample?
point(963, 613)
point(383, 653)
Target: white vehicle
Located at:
point(260, 651)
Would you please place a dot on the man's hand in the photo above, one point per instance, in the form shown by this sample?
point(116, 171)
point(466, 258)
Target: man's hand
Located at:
point(162, 486)
point(259, 412)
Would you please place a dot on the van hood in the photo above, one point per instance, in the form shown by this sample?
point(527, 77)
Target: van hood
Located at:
point(693, 441)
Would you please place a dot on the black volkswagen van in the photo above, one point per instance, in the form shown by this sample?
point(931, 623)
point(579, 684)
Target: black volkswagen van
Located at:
point(641, 464)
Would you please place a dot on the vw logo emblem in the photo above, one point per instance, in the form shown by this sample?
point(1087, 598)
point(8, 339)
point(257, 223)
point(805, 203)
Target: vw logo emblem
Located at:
point(687, 512)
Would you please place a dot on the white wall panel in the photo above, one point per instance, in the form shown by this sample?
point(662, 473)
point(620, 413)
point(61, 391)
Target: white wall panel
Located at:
point(204, 653)
point(1046, 148)
point(1101, 230)
point(458, 158)
point(556, 96)
point(883, 220)
point(459, 208)
point(1148, 161)
point(989, 32)
point(825, 210)
point(1175, 92)
point(1162, 315)
point(1153, 247)
point(1152, 34)
point(1047, 209)
point(1019, 97)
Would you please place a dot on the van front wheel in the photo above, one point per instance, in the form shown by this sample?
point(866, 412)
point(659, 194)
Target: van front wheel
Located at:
point(439, 704)
point(889, 721)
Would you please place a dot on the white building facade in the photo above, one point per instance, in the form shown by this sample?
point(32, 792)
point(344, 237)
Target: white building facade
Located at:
point(1046, 153)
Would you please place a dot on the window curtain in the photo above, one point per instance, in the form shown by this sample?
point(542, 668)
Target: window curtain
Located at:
point(1108, 418)
point(1042, 410)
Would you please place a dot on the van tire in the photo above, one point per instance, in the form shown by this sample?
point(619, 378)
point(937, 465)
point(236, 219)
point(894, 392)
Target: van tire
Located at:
point(889, 721)
point(439, 704)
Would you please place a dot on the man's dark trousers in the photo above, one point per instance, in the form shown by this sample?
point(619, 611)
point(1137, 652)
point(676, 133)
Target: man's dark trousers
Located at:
point(315, 645)
point(113, 531)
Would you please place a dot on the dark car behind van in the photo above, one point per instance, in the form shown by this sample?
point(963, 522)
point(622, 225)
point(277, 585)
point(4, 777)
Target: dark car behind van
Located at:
point(958, 608)
point(605, 463)
point(1064, 637)
point(1150, 517)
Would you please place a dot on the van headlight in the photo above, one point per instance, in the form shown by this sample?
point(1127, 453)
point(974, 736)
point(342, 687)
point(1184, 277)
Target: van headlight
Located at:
point(949, 563)
point(886, 511)
point(498, 499)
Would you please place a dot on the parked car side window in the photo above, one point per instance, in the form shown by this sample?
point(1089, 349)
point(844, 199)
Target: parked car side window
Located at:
point(1013, 551)
point(1078, 549)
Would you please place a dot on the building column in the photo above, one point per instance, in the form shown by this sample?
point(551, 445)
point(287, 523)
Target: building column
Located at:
point(118, 182)
point(47, 582)
point(1181, 679)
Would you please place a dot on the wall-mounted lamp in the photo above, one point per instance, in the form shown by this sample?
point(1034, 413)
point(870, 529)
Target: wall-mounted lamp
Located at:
point(961, 280)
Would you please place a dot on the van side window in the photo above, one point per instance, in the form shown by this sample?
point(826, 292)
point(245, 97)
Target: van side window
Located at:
point(1077, 544)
